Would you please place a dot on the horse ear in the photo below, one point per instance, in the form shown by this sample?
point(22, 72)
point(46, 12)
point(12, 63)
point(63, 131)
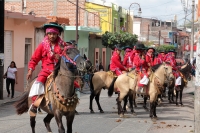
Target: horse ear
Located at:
point(85, 57)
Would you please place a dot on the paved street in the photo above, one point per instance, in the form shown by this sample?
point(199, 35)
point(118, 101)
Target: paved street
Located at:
point(171, 118)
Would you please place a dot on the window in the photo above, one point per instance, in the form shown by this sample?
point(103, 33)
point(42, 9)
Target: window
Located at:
point(115, 25)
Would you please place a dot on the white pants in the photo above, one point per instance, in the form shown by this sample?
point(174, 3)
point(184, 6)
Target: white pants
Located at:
point(144, 80)
point(37, 89)
point(178, 81)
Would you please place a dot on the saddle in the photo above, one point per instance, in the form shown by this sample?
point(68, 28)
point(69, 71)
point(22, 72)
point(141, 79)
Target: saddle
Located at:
point(111, 74)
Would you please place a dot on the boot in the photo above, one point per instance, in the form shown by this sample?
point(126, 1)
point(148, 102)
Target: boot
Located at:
point(33, 108)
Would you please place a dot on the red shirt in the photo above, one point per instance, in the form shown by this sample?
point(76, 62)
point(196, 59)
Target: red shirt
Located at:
point(115, 62)
point(157, 60)
point(127, 62)
point(140, 64)
point(48, 60)
point(170, 59)
point(149, 60)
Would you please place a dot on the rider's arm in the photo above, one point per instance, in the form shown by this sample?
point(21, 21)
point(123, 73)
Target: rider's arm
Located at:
point(36, 57)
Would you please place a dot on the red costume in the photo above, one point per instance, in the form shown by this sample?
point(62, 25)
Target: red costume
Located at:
point(140, 64)
point(127, 62)
point(157, 60)
point(48, 59)
point(115, 64)
point(149, 60)
point(172, 61)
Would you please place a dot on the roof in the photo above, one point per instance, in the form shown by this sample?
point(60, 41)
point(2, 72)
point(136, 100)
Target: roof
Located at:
point(18, 15)
point(183, 34)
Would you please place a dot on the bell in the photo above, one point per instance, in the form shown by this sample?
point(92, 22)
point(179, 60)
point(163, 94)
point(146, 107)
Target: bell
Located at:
point(69, 101)
point(63, 102)
point(72, 100)
point(67, 104)
point(65, 99)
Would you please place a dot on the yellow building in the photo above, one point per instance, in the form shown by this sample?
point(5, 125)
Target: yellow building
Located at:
point(105, 13)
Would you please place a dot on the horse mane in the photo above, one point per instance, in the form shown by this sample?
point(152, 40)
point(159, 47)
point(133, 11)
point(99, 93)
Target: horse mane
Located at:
point(56, 69)
point(155, 67)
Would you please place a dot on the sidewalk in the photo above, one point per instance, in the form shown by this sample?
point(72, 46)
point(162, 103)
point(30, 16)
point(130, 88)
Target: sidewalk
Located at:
point(8, 99)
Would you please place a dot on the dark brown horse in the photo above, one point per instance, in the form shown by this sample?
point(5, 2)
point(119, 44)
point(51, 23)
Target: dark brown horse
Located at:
point(185, 76)
point(60, 98)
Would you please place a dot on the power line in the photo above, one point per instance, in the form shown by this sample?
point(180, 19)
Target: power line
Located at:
point(95, 15)
point(159, 5)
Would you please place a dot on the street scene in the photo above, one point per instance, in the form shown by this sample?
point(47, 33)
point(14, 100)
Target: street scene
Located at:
point(99, 66)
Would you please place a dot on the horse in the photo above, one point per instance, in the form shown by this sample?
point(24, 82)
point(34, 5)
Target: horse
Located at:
point(126, 82)
point(185, 76)
point(60, 98)
point(98, 81)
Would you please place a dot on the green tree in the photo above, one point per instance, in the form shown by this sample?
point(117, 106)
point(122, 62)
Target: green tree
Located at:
point(165, 47)
point(124, 38)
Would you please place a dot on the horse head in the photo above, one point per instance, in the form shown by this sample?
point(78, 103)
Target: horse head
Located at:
point(165, 73)
point(89, 67)
point(186, 69)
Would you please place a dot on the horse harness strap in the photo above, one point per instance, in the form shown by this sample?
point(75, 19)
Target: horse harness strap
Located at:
point(183, 77)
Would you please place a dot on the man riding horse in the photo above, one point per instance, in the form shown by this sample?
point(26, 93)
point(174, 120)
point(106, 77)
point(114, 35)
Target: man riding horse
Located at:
point(48, 51)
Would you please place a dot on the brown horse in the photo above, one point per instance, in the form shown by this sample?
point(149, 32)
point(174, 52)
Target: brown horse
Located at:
point(125, 83)
point(185, 75)
point(60, 98)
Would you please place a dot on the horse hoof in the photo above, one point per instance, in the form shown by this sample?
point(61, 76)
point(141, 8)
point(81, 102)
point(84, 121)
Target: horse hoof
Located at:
point(121, 115)
point(101, 111)
point(135, 106)
point(92, 111)
point(134, 114)
point(153, 119)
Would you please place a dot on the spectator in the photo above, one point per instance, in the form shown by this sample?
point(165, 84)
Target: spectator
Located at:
point(101, 68)
point(11, 78)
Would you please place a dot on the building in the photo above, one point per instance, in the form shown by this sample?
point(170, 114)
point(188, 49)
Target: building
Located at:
point(19, 47)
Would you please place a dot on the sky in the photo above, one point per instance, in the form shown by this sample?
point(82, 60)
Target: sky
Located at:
point(161, 9)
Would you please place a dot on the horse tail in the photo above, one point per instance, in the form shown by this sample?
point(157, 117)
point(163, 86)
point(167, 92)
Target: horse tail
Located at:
point(22, 104)
point(91, 84)
point(111, 87)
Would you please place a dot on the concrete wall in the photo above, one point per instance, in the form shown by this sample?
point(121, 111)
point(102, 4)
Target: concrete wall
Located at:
point(21, 29)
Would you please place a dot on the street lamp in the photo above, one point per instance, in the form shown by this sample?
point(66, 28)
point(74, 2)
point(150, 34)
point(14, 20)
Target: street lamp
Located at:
point(139, 12)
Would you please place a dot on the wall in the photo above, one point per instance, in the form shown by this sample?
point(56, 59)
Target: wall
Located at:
point(83, 42)
point(61, 8)
point(115, 15)
point(104, 12)
point(18, 47)
point(97, 43)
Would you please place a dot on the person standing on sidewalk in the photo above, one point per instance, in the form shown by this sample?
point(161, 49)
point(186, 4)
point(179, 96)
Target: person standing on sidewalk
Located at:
point(11, 78)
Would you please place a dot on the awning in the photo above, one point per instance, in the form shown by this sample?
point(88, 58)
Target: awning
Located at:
point(187, 47)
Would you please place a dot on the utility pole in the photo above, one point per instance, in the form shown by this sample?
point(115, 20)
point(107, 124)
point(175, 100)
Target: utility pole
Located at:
point(159, 36)
point(148, 33)
point(77, 36)
point(1, 44)
point(192, 35)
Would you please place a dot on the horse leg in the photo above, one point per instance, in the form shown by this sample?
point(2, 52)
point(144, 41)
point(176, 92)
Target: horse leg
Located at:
point(32, 123)
point(70, 119)
point(169, 96)
point(134, 101)
point(131, 103)
point(154, 109)
point(58, 118)
point(125, 103)
point(151, 110)
point(177, 97)
point(47, 120)
point(97, 101)
point(91, 100)
point(145, 103)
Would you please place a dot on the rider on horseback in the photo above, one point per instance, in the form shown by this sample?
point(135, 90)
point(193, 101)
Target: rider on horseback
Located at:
point(127, 62)
point(170, 58)
point(141, 65)
point(48, 51)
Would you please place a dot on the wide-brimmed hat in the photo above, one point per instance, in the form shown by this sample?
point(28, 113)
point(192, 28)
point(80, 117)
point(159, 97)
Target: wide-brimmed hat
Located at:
point(151, 48)
point(71, 42)
point(127, 47)
point(140, 47)
point(118, 47)
point(172, 51)
point(53, 24)
point(162, 51)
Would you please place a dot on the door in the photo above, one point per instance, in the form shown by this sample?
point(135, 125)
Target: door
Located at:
point(104, 57)
point(8, 38)
point(27, 56)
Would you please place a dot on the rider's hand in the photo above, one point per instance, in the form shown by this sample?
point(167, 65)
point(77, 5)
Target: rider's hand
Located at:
point(29, 74)
point(57, 56)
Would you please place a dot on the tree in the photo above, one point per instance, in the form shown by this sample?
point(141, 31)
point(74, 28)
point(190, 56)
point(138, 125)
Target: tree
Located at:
point(124, 38)
point(165, 47)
